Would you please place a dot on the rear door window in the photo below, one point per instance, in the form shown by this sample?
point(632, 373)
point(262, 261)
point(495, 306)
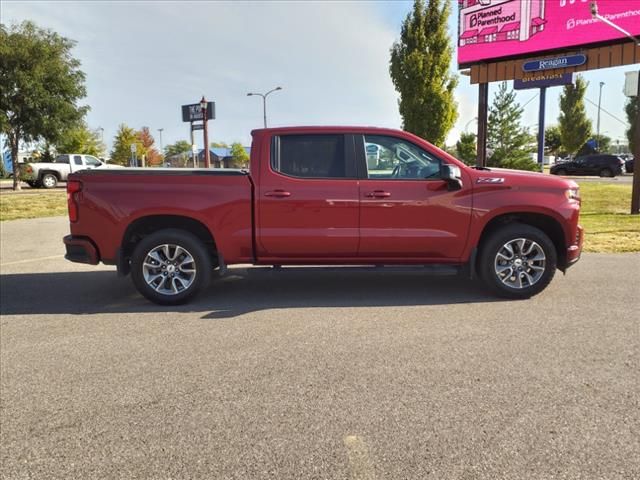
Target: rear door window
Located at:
point(77, 160)
point(311, 156)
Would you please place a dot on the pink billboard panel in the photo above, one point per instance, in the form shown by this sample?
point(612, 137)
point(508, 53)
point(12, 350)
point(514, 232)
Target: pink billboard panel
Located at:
point(492, 29)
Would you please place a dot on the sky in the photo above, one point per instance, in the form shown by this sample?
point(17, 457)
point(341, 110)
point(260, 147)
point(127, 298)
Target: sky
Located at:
point(144, 59)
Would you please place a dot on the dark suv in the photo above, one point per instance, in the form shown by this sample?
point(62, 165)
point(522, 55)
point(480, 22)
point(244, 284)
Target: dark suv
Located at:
point(598, 164)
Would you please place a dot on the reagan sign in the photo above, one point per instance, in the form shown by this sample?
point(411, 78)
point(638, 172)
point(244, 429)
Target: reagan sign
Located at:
point(493, 29)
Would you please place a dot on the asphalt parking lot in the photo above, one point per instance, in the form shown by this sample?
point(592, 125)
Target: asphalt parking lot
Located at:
point(303, 373)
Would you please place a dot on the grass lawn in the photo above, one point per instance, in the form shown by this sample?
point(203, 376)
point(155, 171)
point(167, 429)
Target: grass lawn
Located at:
point(604, 215)
point(34, 204)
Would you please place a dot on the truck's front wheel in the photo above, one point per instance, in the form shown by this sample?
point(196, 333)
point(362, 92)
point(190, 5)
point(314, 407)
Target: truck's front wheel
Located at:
point(170, 266)
point(517, 261)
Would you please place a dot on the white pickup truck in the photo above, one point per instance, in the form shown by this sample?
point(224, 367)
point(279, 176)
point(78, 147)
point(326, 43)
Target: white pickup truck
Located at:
point(48, 175)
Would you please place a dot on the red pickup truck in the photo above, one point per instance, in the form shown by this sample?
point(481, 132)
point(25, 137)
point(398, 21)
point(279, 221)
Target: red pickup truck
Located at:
point(326, 196)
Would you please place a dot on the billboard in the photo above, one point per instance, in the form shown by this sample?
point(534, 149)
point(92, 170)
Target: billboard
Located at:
point(193, 112)
point(494, 29)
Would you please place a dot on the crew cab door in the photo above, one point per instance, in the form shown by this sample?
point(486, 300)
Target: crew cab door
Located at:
point(406, 209)
point(307, 198)
point(83, 162)
point(75, 163)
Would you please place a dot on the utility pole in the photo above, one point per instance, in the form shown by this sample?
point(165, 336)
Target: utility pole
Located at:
point(160, 132)
point(203, 107)
point(483, 106)
point(598, 124)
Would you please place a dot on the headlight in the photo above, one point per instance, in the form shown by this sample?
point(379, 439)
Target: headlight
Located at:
point(573, 194)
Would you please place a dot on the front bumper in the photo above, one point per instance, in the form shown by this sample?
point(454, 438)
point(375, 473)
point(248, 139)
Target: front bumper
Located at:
point(81, 250)
point(575, 250)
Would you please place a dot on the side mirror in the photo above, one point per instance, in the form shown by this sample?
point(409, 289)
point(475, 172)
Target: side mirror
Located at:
point(452, 175)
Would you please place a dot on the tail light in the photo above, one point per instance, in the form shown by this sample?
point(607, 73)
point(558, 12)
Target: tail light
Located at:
point(74, 187)
point(29, 169)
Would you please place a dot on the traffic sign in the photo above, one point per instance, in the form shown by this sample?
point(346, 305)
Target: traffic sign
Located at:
point(543, 80)
point(552, 63)
point(631, 84)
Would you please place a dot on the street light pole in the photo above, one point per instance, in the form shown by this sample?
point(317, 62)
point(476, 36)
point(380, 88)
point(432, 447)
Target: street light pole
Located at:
point(160, 132)
point(101, 134)
point(203, 107)
point(466, 127)
point(598, 127)
point(264, 102)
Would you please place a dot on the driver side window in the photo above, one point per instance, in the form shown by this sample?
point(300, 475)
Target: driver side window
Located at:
point(391, 158)
point(92, 161)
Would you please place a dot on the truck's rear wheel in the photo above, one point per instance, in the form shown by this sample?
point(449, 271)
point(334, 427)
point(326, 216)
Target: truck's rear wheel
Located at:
point(517, 261)
point(49, 180)
point(170, 266)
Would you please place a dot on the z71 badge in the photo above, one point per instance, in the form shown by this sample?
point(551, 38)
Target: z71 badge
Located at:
point(490, 180)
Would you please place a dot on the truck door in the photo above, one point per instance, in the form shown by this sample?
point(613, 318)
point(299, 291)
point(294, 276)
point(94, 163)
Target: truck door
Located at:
point(406, 210)
point(307, 198)
point(76, 163)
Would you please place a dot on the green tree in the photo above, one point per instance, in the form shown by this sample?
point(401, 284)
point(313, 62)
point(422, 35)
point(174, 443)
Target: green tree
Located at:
point(125, 137)
point(218, 145)
point(466, 149)
point(40, 86)
point(552, 140)
point(80, 139)
point(631, 109)
point(182, 149)
point(181, 146)
point(239, 156)
point(511, 145)
point(603, 143)
point(151, 154)
point(419, 69)
point(575, 127)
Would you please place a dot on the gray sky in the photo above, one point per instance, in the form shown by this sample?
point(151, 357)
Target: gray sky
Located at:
point(144, 59)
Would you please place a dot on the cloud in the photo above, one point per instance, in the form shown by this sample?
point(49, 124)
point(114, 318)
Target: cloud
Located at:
point(143, 60)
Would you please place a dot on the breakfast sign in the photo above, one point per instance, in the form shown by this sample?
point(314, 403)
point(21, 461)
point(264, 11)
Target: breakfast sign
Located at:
point(499, 29)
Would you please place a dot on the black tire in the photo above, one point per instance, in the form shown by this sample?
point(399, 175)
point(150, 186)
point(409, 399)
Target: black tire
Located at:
point(32, 184)
point(49, 180)
point(561, 172)
point(201, 265)
point(511, 284)
point(606, 172)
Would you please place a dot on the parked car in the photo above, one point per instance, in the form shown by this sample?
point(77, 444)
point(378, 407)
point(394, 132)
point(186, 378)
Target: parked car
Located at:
point(628, 165)
point(322, 196)
point(48, 175)
point(597, 164)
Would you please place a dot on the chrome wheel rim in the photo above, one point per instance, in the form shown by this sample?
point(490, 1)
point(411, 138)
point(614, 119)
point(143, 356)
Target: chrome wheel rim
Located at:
point(520, 263)
point(169, 269)
point(48, 181)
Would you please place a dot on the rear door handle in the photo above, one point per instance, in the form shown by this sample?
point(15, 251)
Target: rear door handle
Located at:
point(277, 194)
point(378, 194)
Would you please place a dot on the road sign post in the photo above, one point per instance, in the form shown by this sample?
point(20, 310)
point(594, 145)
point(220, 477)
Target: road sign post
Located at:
point(541, 112)
point(635, 189)
point(133, 162)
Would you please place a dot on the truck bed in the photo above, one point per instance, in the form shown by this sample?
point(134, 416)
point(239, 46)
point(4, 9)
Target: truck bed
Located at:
point(112, 201)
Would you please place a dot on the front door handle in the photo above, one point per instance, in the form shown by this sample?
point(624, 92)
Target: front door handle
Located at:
point(277, 194)
point(378, 194)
